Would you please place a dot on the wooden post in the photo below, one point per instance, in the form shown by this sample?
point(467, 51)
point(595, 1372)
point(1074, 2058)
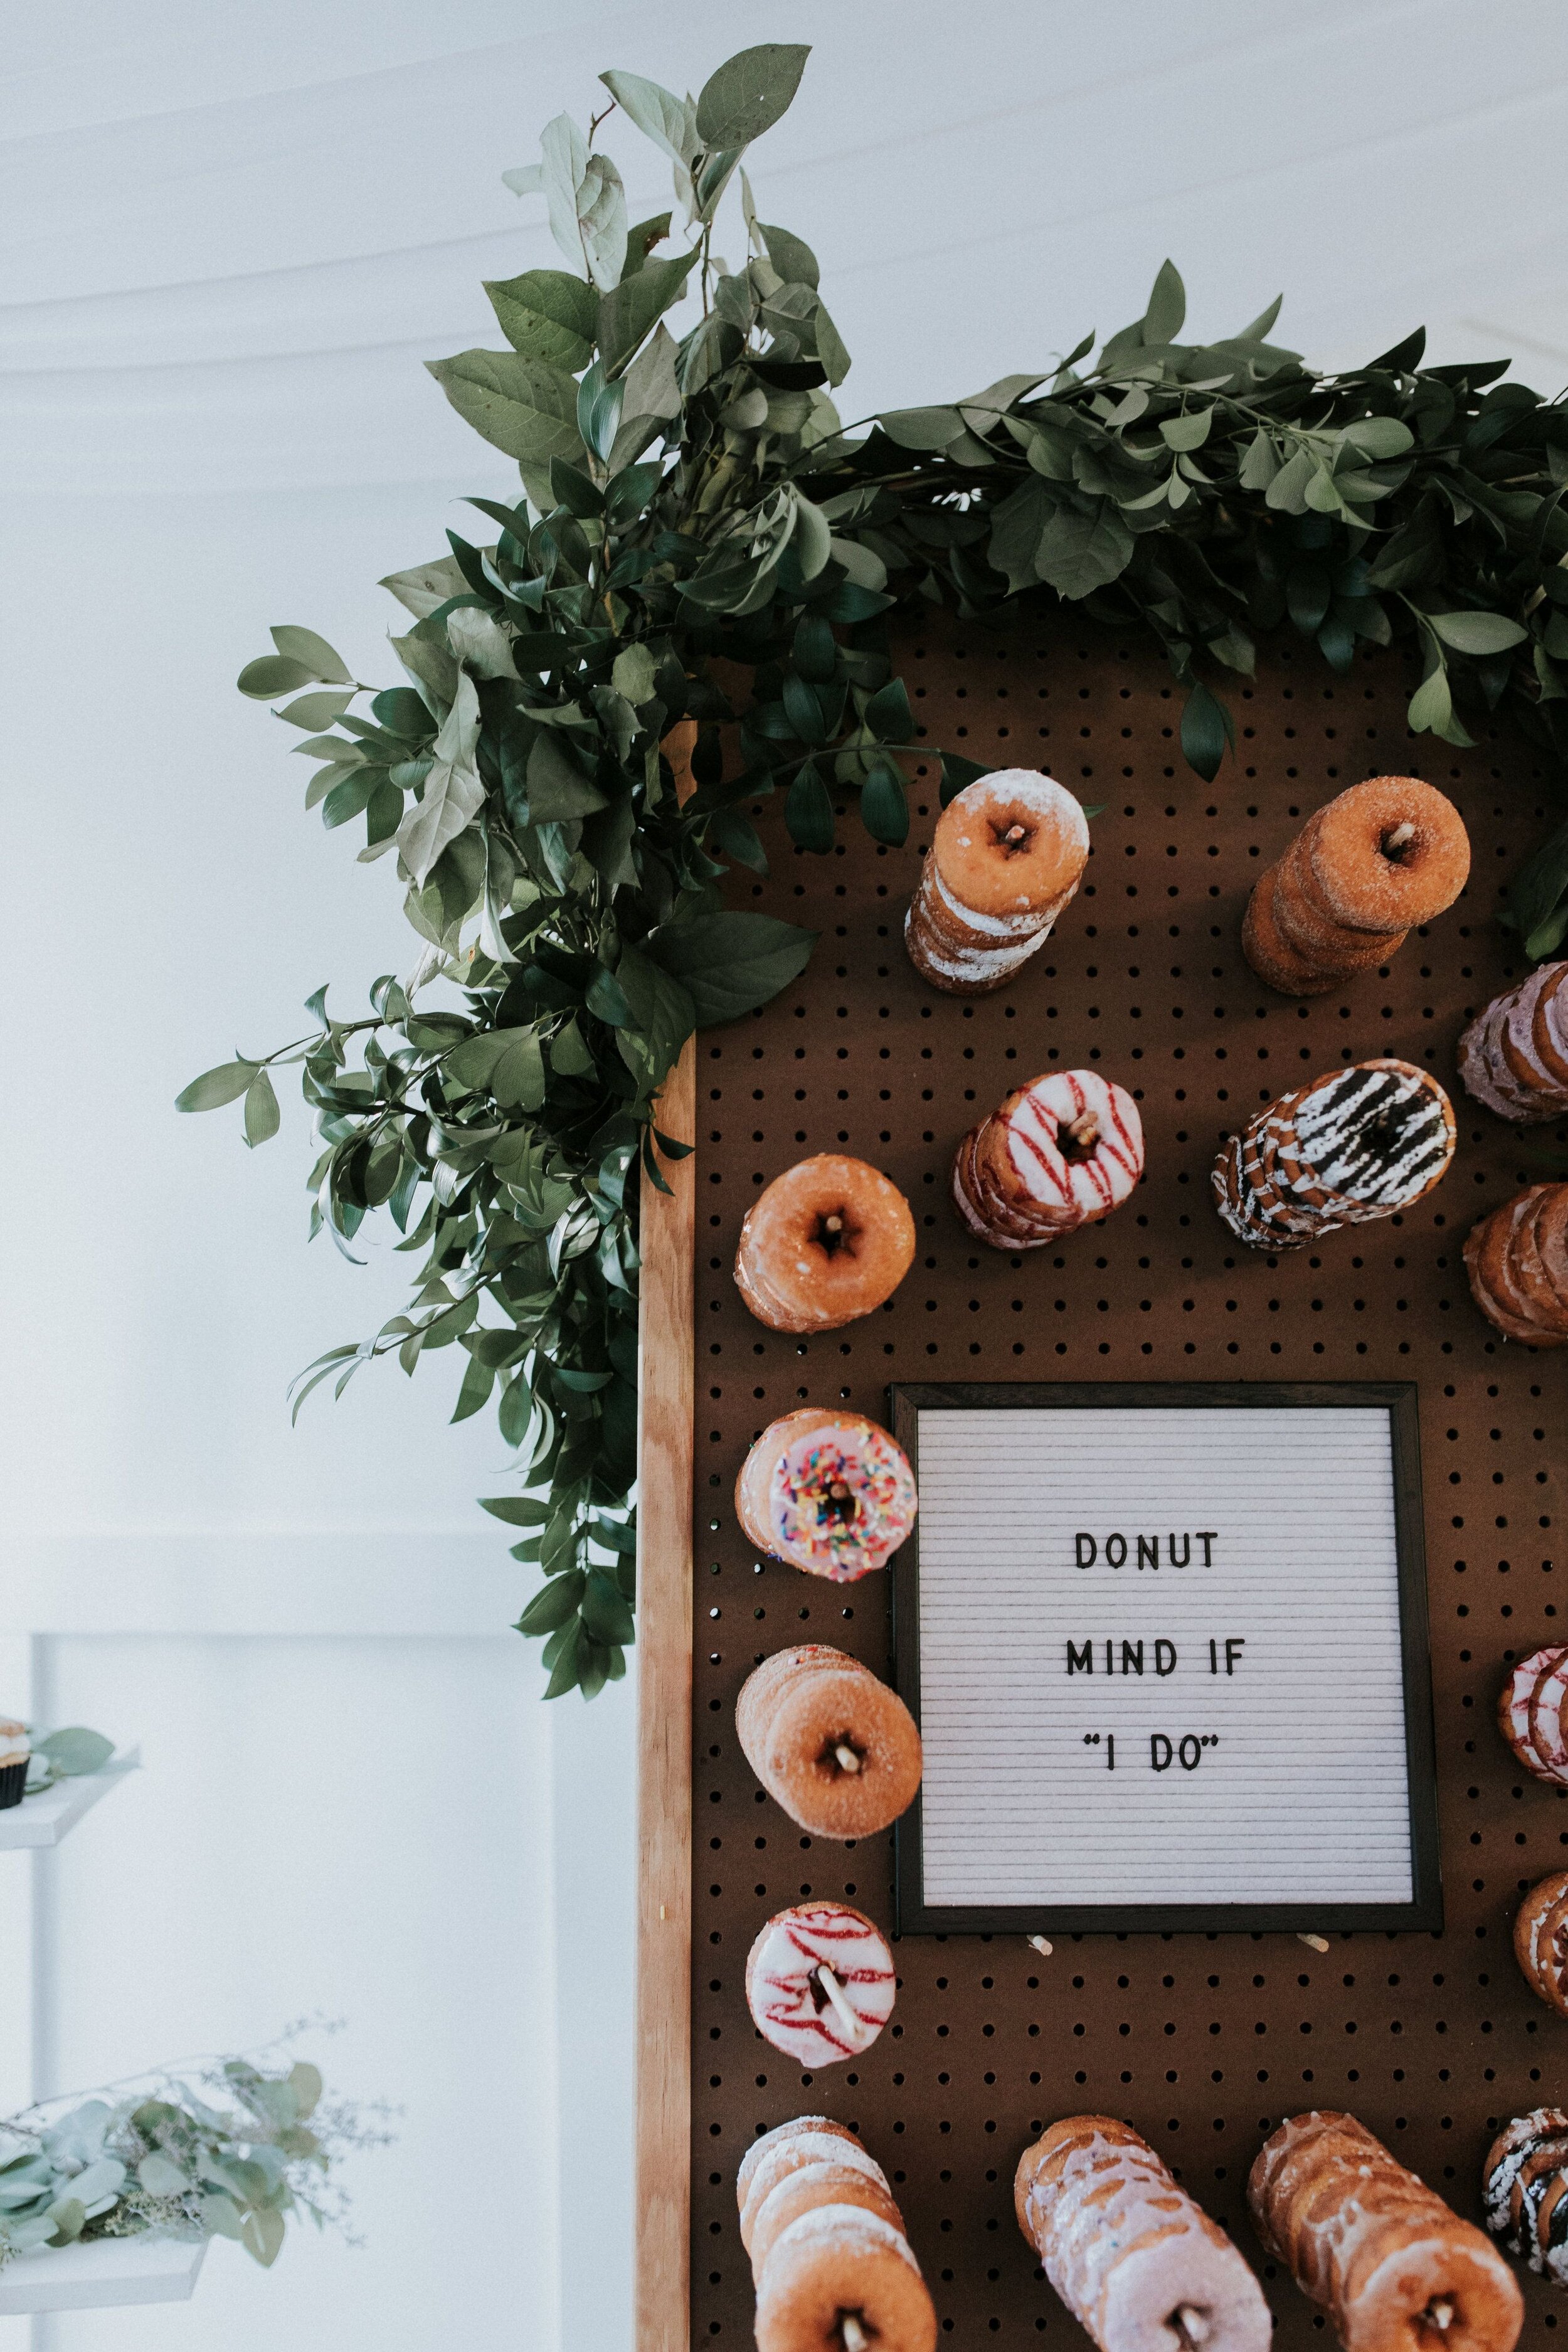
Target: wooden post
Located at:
point(666, 1442)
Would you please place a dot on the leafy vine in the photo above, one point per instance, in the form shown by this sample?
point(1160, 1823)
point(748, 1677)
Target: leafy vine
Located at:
point(739, 578)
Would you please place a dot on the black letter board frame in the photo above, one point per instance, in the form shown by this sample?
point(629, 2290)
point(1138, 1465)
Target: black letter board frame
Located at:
point(911, 1914)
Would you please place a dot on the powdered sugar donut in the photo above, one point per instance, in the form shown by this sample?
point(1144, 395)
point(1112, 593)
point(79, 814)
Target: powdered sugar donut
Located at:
point(826, 1242)
point(837, 2261)
point(829, 1492)
point(1137, 2262)
point(820, 1982)
point(793, 2149)
point(803, 2190)
point(1063, 1151)
point(1008, 852)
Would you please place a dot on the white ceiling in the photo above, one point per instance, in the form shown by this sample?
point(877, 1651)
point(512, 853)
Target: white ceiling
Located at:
point(229, 237)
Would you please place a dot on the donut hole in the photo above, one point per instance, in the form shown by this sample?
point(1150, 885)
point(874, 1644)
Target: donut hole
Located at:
point(851, 2331)
point(841, 1756)
point(1400, 843)
point(1441, 2316)
point(1012, 835)
point(1079, 1139)
point(1190, 2324)
point(835, 1230)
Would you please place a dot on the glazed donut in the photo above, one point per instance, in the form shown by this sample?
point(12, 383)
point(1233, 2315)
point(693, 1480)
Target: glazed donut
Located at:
point(1063, 1151)
point(1141, 2267)
point(820, 1982)
point(768, 2140)
point(832, 1746)
point(1381, 858)
point(1540, 1940)
point(1524, 2190)
point(1397, 2269)
point(1357, 1144)
point(1007, 854)
point(1516, 1261)
point(836, 2260)
point(800, 2191)
point(793, 2153)
point(828, 1241)
point(1513, 1058)
point(828, 1492)
point(1540, 1746)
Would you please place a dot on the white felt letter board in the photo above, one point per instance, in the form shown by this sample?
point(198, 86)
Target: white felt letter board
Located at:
point(1167, 1647)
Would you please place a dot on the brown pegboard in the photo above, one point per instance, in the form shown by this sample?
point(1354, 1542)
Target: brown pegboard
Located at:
point(1201, 2042)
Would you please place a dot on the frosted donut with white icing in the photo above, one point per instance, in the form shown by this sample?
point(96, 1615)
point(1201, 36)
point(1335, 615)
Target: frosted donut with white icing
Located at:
point(832, 1493)
point(820, 1982)
point(1060, 1152)
point(1008, 852)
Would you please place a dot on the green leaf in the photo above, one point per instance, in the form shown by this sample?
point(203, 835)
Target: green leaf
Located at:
point(956, 772)
point(1167, 306)
point(555, 1603)
point(1375, 437)
point(261, 1119)
point(1207, 727)
point(314, 710)
point(305, 2081)
point(547, 314)
point(603, 1610)
point(791, 256)
point(516, 1510)
point(271, 675)
point(1432, 704)
point(524, 406)
point(506, 1064)
point(884, 806)
point(808, 811)
point(731, 963)
point(159, 2177)
point(557, 788)
point(1261, 464)
point(749, 93)
point(923, 428)
point(633, 673)
point(1080, 552)
point(75, 1750)
point(216, 1087)
point(1189, 432)
point(629, 311)
point(314, 652)
point(1477, 632)
point(669, 121)
point(888, 716)
point(261, 2234)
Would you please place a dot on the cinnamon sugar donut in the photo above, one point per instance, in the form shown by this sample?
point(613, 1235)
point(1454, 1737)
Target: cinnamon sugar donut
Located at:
point(1060, 1152)
point(832, 1746)
point(828, 1241)
point(820, 1982)
point(1264, 945)
point(828, 1492)
point(837, 2259)
point(1008, 852)
point(1389, 854)
point(1397, 2269)
point(1141, 2266)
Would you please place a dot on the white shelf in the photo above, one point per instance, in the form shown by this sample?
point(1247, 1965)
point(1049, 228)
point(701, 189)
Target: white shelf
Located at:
point(42, 1821)
point(96, 2277)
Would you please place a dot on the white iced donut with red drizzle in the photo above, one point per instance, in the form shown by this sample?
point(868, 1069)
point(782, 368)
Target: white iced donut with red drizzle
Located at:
point(1063, 1151)
point(820, 1982)
point(829, 1492)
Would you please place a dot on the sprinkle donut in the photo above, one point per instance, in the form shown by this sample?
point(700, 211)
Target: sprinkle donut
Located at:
point(829, 1492)
point(1141, 2266)
point(1007, 854)
point(827, 1242)
point(837, 2261)
point(1063, 1151)
point(820, 1982)
point(832, 1746)
point(1381, 858)
point(1395, 2268)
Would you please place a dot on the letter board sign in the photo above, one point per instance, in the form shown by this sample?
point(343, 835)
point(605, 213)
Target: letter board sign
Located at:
point(1167, 1649)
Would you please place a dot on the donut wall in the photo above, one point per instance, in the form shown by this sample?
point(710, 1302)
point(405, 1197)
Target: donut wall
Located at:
point(1180, 2054)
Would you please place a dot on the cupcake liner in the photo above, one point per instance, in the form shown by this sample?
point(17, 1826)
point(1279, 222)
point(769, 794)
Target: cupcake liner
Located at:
point(13, 1782)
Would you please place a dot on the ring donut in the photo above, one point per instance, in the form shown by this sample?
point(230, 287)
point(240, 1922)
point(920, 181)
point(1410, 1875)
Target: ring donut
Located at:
point(800, 2192)
point(764, 2147)
point(1388, 854)
point(1517, 1262)
point(820, 1982)
point(831, 1493)
point(832, 1746)
point(837, 2259)
point(826, 1242)
point(1060, 1152)
point(1513, 1711)
point(1006, 856)
point(790, 2153)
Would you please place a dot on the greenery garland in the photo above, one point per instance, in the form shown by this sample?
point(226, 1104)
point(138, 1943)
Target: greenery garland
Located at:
point(1205, 494)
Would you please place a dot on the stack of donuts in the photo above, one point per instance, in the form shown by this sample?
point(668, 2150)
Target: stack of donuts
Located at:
point(1540, 1940)
point(1524, 2189)
point(826, 1242)
point(1008, 852)
point(832, 1746)
point(829, 1492)
point(1517, 1260)
point(834, 2271)
point(1514, 1056)
point(1379, 859)
point(1139, 2266)
point(1060, 1152)
point(1529, 1714)
point(820, 1982)
point(1392, 2265)
point(1358, 1144)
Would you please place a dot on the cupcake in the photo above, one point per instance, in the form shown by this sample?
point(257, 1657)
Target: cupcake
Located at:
point(14, 1754)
